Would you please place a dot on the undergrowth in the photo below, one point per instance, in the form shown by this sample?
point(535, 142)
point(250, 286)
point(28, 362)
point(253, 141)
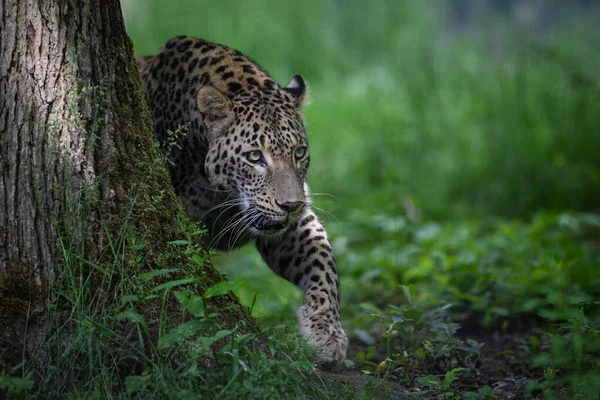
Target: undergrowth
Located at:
point(510, 307)
point(459, 284)
point(142, 335)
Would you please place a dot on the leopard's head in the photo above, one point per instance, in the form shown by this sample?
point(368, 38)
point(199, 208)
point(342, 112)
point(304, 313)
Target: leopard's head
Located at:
point(258, 151)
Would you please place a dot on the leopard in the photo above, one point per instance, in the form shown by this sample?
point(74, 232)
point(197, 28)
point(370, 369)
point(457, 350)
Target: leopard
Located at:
point(241, 167)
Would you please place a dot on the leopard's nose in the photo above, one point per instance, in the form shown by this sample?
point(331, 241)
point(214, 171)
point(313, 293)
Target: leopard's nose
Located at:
point(292, 207)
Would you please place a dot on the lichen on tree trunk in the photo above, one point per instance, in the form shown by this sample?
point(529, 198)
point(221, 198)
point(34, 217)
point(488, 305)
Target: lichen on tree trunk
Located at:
point(77, 162)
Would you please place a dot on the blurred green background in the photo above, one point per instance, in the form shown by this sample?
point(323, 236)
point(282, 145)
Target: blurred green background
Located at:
point(432, 124)
point(466, 108)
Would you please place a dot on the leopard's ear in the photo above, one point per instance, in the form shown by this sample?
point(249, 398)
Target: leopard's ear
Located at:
point(297, 88)
point(213, 104)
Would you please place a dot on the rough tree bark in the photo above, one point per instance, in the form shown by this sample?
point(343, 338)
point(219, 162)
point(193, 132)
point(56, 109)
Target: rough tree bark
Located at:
point(77, 161)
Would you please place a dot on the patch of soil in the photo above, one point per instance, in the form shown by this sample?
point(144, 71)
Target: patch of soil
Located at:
point(502, 365)
point(358, 384)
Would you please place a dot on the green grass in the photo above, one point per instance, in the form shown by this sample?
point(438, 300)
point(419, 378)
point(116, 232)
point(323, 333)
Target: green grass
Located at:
point(149, 334)
point(490, 133)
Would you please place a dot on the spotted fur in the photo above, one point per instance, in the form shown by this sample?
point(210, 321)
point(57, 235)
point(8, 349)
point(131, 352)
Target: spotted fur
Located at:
point(241, 168)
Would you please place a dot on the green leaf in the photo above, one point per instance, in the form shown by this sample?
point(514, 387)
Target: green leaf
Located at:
point(96, 267)
point(133, 298)
point(244, 338)
point(221, 288)
point(15, 384)
point(413, 314)
point(451, 376)
point(98, 328)
point(197, 259)
point(179, 242)
point(420, 353)
point(430, 380)
point(192, 303)
point(182, 332)
point(157, 272)
point(487, 392)
point(533, 341)
point(130, 298)
point(130, 315)
point(182, 297)
point(136, 383)
point(221, 334)
point(407, 293)
point(208, 341)
point(179, 282)
point(196, 306)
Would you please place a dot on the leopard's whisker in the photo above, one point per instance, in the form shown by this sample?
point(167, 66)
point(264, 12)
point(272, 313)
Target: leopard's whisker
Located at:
point(232, 202)
point(196, 184)
point(224, 211)
point(226, 227)
point(324, 195)
point(239, 231)
point(323, 212)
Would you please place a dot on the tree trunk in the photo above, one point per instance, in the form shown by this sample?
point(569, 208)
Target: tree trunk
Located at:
point(81, 184)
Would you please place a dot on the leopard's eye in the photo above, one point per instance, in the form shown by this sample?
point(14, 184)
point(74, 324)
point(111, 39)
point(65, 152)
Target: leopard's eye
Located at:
point(254, 156)
point(300, 152)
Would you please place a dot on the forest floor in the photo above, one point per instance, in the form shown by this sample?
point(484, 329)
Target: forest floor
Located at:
point(503, 367)
point(454, 310)
point(459, 310)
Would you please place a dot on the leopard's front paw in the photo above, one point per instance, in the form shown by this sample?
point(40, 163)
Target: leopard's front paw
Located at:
point(321, 326)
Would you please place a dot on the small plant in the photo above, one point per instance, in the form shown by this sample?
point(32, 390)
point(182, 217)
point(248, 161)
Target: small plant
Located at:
point(14, 385)
point(572, 363)
point(438, 385)
point(174, 140)
point(550, 373)
point(417, 334)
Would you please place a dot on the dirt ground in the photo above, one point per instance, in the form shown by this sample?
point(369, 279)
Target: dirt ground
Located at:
point(503, 366)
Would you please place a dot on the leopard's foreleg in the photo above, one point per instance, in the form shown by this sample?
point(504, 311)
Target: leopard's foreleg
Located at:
point(303, 256)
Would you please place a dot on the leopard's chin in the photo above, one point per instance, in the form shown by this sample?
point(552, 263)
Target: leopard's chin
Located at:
point(265, 226)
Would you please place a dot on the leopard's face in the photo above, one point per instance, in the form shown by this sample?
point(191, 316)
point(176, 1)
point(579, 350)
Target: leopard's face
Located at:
point(257, 150)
